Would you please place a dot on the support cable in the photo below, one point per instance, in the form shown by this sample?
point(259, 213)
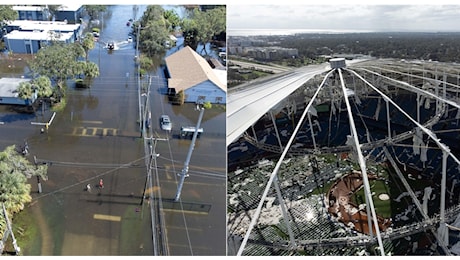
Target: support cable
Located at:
point(423, 128)
point(278, 165)
point(362, 164)
point(444, 148)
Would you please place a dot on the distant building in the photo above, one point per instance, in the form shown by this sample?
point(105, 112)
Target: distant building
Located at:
point(37, 13)
point(30, 36)
point(9, 93)
point(69, 12)
point(66, 12)
point(190, 72)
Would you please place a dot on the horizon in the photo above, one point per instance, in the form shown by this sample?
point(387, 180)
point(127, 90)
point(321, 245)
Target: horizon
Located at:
point(287, 32)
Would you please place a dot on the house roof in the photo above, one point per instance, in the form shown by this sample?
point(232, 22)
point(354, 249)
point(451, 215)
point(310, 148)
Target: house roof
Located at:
point(26, 25)
point(9, 86)
point(38, 35)
point(187, 69)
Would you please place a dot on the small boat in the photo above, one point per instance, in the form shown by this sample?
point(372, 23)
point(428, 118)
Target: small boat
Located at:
point(111, 45)
point(128, 24)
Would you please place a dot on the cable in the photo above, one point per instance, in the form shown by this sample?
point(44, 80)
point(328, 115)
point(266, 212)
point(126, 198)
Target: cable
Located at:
point(88, 179)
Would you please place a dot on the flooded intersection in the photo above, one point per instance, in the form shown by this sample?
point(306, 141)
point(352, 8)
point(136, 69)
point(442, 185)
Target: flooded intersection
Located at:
point(97, 137)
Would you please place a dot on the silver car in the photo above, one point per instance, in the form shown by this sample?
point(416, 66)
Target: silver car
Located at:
point(165, 123)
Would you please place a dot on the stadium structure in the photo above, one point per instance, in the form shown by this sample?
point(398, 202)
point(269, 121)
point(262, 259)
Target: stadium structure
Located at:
point(361, 159)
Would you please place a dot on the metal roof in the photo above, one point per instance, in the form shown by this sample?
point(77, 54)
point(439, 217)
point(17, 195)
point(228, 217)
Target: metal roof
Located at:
point(187, 69)
point(246, 105)
point(38, 35)
point(44, 25)
point(249, 102)
point(8, 86)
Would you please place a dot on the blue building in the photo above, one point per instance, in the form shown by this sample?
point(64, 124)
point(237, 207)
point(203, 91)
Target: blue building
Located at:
point(66, 12)
point(69, 12)
point(37, 13)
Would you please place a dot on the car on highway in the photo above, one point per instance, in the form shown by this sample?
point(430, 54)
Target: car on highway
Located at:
point(165, 123)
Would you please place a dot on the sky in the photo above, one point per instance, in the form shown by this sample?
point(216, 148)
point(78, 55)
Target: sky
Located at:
point(359, 16)
point(331, 15)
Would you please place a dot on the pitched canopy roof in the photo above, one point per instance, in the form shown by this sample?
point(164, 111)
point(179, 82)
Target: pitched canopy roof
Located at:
point(187, 69)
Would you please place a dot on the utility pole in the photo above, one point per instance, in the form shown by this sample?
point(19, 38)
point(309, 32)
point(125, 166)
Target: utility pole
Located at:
point(184, 172)
point(8, 231)
point(136, 60)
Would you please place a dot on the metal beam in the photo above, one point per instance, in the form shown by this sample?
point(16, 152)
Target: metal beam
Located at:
point(362, 165)
point(275, 171)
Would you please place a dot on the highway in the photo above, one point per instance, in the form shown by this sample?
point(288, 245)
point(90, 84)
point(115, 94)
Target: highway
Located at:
point(268, 67)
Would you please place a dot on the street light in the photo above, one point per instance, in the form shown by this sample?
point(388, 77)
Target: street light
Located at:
point(184, 172)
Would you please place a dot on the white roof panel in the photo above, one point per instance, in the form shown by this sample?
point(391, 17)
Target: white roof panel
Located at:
point(249, 103)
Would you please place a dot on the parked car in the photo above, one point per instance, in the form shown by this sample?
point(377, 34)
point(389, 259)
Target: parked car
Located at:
point(165, 123)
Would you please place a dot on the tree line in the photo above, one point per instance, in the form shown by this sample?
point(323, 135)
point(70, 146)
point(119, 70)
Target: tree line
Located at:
point(436, 46)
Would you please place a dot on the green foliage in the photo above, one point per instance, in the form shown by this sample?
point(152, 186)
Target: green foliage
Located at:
point(154, 30)
point(207, 105)
point(15, 169)
point(57, 61)
point(90, 70)
point(179, 98)
point(145, 62)
point(94, 10)
point(203, 26)
point(25, 90)
point(60, 62)
point(53, 9)
point(7, 14)
point(41, 84)
point(87, 43)
point(172, 20)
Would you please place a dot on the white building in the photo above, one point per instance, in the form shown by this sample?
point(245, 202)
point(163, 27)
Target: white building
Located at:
point(30, 36)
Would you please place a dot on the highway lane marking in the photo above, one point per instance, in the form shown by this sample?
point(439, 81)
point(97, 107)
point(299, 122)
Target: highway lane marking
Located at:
point(107, 217)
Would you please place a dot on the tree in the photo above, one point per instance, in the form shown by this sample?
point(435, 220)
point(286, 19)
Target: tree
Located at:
point(25, 90)
point(15, 169)
point(172, 20)
point(41, 85)
point(53, 10)
point(90, 70)
point(154, 30)
point(87, 43)
point(59, 62)
point(202, 27)
point(207, 105)
point(7, 14)
point(94, 10)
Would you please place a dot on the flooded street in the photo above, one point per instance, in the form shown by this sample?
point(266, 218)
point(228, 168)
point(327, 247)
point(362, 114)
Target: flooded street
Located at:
point(97, 137)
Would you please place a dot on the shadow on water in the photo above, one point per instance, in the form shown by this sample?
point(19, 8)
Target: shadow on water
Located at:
point(21, 113)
